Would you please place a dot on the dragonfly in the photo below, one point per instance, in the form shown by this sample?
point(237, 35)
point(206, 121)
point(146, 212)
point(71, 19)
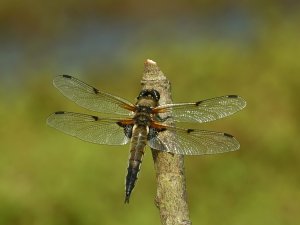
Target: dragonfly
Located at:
point(141, 124)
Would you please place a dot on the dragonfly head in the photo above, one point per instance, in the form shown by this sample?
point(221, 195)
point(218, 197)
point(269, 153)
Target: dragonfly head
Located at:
point(149, 93)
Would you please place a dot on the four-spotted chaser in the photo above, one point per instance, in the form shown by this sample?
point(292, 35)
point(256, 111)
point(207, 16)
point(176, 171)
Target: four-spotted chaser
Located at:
point(141, 123)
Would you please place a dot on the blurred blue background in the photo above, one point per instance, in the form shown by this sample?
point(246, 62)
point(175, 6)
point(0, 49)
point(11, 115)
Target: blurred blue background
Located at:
point(206, 49)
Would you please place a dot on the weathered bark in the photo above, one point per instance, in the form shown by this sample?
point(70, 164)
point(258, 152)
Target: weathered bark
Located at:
point(171, 197)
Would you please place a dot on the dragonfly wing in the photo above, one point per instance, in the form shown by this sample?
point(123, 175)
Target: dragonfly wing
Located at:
point(203, 111)
point(89, 128)
point(193, 142)
point(90, 97)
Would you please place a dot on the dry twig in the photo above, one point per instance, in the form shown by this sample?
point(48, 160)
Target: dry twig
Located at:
point(171, 190)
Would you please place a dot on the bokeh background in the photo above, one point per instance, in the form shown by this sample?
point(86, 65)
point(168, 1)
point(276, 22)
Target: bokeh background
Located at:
point(206, 48)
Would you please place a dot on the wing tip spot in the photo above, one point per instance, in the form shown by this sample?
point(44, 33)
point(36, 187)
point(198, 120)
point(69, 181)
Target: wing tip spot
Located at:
point(232, 96)
point(96, 118)
point(59, 112)
point(198, 103)
point(189, 130)
point(96, 91)
point(228, 135)
point(67, 76)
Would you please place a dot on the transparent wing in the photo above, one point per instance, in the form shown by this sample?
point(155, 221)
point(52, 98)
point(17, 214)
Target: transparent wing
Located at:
point(90, 97)
point(203, 111)
point(193, 142)
point(89, 128)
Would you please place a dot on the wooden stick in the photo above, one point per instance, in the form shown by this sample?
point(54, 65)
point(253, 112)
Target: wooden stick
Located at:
point(170, 197)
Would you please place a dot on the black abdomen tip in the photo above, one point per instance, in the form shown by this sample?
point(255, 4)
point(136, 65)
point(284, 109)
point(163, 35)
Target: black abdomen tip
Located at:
point(127, 198)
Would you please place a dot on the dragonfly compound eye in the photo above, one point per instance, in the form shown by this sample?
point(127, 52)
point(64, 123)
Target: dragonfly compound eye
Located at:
point(149, 94)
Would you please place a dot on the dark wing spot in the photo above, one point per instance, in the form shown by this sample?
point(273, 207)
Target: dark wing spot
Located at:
point(67, 76)
point(198, 103)
point(127, 128)
point(189, 130)
point(228, 135)
point(153, 132)
point(95, 118)
point(120, 124)
point(162, 129)
point(232, 96)
point(95, 90)
point(60, 112)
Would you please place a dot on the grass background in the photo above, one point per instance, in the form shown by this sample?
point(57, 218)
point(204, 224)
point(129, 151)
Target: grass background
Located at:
point(206, 49)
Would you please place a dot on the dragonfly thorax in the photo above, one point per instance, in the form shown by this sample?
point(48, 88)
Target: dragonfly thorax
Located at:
point(143, 109)
point(142, 119)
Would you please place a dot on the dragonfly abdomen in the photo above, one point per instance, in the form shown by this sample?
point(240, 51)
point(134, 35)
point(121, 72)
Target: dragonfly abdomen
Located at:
point(138, 143)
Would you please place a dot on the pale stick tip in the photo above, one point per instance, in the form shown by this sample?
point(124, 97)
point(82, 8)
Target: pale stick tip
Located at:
point(150, 61)
point(152, 71)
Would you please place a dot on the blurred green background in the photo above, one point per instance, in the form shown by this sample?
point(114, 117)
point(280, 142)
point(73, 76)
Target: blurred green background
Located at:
point(206, 49)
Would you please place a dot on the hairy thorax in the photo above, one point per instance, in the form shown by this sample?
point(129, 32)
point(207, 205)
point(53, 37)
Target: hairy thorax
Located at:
point(143, 114)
